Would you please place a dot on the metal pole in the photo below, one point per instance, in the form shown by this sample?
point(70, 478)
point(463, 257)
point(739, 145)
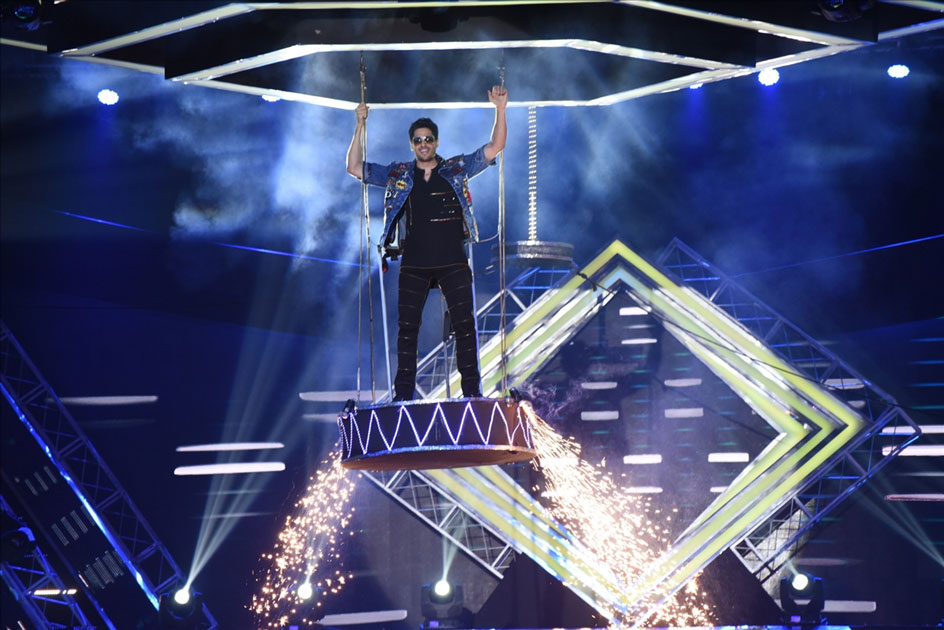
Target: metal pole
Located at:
point(370, 296)
point(501, 251)
point(383, 295)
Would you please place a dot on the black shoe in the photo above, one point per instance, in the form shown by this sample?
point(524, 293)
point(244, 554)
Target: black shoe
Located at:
point(477, 394)
point(399, 398)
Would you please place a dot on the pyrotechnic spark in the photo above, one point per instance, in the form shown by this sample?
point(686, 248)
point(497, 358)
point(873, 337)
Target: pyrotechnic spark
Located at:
point(308, 550)
point(622, 535)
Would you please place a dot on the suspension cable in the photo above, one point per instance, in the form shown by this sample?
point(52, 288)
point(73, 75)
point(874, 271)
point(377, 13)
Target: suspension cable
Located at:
point(501, 251)
point(360, 309)
point(366, 223)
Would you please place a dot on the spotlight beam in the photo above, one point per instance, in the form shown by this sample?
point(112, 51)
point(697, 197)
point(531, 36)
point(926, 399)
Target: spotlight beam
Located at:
point(261, 250)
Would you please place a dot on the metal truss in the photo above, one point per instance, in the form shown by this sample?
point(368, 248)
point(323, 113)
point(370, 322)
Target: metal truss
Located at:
point(831, 419)
point(765, 550)
point(415, 491)
point(42, 594)
point(86, 473)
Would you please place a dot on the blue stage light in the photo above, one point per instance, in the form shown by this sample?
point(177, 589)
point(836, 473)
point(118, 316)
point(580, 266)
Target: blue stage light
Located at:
point(898, 71)
point(768, 76)
point(269, 98)
point(695, 86)
point(107, 97)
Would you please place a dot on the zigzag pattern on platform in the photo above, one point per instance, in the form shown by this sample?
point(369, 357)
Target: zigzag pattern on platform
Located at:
point(351, 426)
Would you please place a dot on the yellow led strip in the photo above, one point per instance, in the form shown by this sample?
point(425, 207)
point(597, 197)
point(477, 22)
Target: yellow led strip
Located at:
point(764, 381)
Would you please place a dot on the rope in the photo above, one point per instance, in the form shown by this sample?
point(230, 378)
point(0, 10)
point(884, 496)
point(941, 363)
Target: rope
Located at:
point(380, 270)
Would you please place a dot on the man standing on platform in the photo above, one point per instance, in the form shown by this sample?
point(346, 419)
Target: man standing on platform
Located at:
point(427, 220)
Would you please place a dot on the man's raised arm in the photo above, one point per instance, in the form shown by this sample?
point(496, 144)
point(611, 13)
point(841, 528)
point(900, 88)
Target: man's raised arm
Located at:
point(498, 96)
point(355, 155)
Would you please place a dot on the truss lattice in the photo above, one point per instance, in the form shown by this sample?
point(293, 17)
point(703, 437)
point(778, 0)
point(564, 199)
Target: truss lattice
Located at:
point(78, 464)
point(42, 594)
point(450, 518)
point(771, 544)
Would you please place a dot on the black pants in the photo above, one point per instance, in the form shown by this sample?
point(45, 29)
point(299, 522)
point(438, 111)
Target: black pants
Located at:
point(455, 282)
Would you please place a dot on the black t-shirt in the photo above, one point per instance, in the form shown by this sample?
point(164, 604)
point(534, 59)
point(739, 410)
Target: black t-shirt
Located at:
point(434, 231)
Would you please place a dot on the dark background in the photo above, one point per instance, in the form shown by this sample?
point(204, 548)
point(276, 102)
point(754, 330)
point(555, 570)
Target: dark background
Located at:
point(783, 187)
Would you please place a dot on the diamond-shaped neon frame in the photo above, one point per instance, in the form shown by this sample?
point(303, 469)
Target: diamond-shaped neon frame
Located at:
point(813, 425)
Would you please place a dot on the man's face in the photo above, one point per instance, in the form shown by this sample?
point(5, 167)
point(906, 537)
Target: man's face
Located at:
point(423, 144)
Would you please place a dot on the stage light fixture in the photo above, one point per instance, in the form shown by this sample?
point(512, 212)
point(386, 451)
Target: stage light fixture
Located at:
point(942, 604)
point(107, 97)
point(182, 609)
point(182, 596)
point(800, 581)
point(442, 589)
point(898, 71)
point(25, 14)
point(768, 76)
point(442, 606)
point(18, 544)
point(844, 10)
point(802, 600)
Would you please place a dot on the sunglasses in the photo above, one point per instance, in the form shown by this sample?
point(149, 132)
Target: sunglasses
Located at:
point(426, 139)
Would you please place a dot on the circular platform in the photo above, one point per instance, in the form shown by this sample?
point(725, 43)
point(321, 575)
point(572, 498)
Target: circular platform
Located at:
point(435, 434)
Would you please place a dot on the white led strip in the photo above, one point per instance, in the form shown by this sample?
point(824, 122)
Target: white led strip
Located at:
point(352, 435)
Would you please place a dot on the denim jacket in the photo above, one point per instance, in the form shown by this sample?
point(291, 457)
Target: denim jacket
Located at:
point(397, 177)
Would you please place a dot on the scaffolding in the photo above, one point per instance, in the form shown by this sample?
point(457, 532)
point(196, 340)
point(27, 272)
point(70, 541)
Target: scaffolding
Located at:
point(100, 510)
point(771, 544)
point(42, 594)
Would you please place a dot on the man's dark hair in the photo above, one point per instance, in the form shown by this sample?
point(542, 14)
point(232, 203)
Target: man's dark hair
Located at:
point(427, 123)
